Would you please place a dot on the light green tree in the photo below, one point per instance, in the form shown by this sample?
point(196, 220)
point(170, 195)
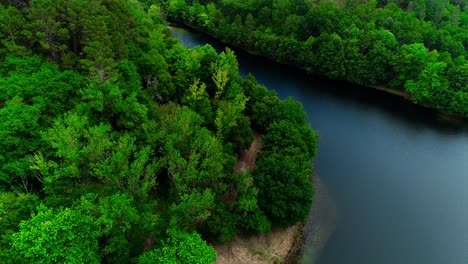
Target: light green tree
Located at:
point(61, 236)
point(180, 247)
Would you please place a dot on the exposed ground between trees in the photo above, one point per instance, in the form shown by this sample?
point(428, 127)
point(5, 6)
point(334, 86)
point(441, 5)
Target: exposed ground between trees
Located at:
point(265, 248)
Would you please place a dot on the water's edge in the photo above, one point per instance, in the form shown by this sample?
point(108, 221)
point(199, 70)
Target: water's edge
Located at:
point(302, 240)
point(384, 89)
point(394, 169)
point(320, 223)
point(184, 25)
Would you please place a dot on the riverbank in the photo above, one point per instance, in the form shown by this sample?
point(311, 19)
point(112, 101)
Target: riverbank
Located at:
point(281, 245)
point(444, 115)
point(376, 198)
point(274, 247)
point(320, 225)
point(181, 24)
point(301, 243)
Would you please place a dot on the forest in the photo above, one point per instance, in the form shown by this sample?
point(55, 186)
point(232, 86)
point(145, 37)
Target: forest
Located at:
point(418, 47)
point(118, 144)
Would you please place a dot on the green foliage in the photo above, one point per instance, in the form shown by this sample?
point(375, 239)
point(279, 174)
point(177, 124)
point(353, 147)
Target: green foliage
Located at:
point(282, 135)
point(180, 247)
point(430, 85)
point(33, 93)
point(18, 127)
point(14, 208)
point(284, 185)
point(192, 210)
point(85, 152)
point(118, 222)
point(127, 140)
point(64, 236)
point(283, 172)
point(385, 43)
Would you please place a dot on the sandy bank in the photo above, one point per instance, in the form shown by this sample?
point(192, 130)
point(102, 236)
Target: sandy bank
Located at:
point(262, 249)
point(273, 247)
point(320, 224)
point(282, 245)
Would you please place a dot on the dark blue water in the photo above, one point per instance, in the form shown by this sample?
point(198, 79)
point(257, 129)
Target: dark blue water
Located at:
point(397, 172)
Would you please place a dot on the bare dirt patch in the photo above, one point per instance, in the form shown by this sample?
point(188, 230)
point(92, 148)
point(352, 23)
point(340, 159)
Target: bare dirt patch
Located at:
point(262, 249)
point(265, 248)
point(246, 158)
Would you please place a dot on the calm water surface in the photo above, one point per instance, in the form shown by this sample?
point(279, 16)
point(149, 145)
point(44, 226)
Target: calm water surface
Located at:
point(398, 173)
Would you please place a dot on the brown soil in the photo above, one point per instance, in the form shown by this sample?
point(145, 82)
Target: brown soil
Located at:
point(261, 249)
point(265, 248)
point(246, 158)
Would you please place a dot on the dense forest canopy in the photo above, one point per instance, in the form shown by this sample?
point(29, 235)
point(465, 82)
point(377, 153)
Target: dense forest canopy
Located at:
point(416, 46)
point(118, 144)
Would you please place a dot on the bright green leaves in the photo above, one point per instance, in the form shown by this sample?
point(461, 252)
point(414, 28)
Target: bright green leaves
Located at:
point(430, 86)
point(137, 151)
point(68, 138)
point(195, 164)
point(180, 247)
point(410, 62)
point(112, 102)
point(88, 152)
point(228, 115)
point(126, 167)
point(364, 43)
point(198, 100)
point(62, 236)
point(195, 158)
point(71, 235)
point(32, 94)
point(220, 78)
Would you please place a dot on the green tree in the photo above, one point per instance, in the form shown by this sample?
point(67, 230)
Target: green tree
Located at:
point(330, 59)
point(180, 247)
point(285, 189)
point(410, 62)
point(64, 236)
point(122, 227)
point(431, 86)
point(19, 129)
point(14, 208)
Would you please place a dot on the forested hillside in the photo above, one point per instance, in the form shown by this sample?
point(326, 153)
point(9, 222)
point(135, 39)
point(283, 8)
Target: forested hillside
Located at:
point(417, 46)
point(118, 144)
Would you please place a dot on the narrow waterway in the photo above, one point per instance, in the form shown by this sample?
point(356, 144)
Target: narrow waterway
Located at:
point(397, 173)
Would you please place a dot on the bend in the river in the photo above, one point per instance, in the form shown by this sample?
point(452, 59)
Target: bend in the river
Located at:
point(397, 172)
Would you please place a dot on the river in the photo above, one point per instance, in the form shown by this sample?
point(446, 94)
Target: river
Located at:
point(397, 172)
